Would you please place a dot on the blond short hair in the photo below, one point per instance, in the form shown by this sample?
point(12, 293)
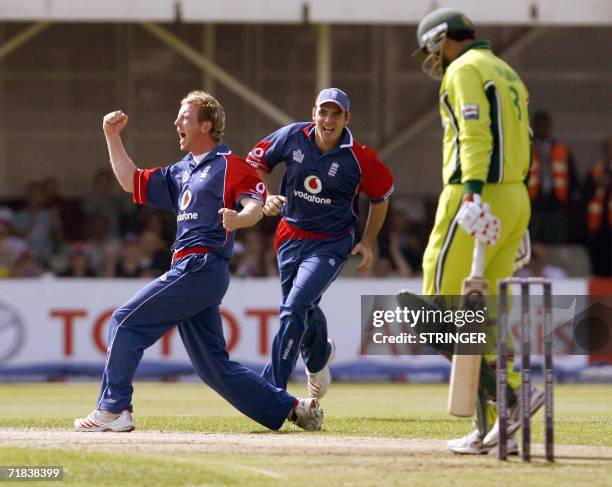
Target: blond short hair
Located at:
point(210, 110)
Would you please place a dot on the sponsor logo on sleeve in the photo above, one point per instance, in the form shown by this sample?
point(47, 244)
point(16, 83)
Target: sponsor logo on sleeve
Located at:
point(256, 197)
point(470, 112)
point(255, 157)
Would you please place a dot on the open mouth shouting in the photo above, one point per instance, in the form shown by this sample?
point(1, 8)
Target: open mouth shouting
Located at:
point(182, 136)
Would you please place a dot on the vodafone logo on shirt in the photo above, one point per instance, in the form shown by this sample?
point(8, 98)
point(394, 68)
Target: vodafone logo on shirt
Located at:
point(185, 200)
point(313, 184)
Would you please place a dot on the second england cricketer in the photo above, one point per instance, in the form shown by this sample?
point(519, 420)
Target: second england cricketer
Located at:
point(325, 171)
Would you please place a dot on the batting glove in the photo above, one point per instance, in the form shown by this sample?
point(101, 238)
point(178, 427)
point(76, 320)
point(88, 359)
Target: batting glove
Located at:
point(476, 219)
point(523, 253)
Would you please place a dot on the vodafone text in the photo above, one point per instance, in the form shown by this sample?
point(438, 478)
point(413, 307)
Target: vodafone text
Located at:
point(312, 198)
point(186, 216)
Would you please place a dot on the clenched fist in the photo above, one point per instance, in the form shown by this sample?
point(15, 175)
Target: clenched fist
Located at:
point(231, 219)
point(114, 122)
point(274, 204)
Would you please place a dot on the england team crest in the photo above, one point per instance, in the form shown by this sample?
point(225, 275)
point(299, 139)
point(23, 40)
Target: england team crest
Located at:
point(298, 156)
point(204, 172)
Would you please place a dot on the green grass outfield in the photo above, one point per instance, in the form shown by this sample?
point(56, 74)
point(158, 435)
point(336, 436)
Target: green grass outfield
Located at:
point(583, 416)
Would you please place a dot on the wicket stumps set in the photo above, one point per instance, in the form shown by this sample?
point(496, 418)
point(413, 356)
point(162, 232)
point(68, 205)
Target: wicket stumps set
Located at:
point(502, 363)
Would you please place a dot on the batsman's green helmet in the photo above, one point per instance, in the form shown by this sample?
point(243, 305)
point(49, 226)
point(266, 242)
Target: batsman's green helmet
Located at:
point(434, 28)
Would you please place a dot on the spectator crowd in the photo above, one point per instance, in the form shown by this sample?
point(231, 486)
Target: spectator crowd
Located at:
point(106, 235)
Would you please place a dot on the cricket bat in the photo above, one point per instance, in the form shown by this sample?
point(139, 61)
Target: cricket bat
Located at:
point(465, 369)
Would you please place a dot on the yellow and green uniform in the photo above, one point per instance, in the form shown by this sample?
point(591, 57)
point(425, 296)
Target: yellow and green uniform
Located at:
point(486, 150)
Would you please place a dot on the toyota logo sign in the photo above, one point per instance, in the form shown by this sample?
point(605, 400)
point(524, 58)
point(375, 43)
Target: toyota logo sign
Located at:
point(12, 332)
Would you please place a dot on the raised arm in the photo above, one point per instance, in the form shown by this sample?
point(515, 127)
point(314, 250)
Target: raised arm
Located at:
point(123, 167)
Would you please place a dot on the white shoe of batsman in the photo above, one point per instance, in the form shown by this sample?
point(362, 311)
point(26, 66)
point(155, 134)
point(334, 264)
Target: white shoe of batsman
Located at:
point(477, 221)
point(95, 423)
point(307, 414)
point(471, 444)
point(318, 382)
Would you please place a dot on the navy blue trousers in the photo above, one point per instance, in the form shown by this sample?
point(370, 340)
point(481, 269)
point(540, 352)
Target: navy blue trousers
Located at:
point(188, 295)
point(307, 267)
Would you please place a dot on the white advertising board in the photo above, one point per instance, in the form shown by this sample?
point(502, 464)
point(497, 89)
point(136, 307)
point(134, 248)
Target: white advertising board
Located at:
point(65, 321)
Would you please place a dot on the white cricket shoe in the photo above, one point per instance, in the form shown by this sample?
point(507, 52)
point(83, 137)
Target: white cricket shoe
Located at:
point(318, 382)
point(471, 444)
point(307, 414)
point(96, 422)
point(514, 417)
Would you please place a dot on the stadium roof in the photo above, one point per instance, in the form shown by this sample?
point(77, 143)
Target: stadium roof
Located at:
point(518, 12)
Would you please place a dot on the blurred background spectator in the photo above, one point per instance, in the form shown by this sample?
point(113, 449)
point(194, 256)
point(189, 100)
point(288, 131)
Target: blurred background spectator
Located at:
point(256, 257)
point(106, 198)
point(38, 225)
point(79, 262)
point(129, 263)
point(103, 247)
point(598, 197)
point(156, 256)
point(11, 247)
point(400, 245)
point(553, 187)
point(68, 211)
point(27, 265)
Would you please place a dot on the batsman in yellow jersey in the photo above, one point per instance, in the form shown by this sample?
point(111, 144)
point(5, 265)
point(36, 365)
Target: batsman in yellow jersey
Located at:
point(486, 159)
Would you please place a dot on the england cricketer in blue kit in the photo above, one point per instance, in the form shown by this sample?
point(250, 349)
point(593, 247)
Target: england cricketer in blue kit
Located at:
point(212, 193)
point(325, 171)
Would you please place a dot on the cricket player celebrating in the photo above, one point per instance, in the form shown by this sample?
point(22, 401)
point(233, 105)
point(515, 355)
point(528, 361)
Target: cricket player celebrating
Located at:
point(212, 192)
point(325, 170)
point(486, 158)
